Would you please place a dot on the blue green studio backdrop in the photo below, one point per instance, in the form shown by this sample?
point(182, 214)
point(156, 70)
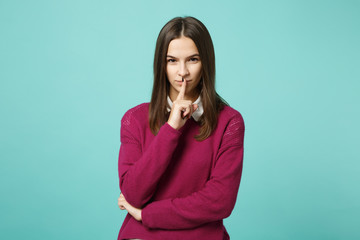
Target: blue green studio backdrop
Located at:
point(70, 69)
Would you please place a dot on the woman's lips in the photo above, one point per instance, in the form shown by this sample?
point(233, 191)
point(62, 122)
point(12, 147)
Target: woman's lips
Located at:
point(180, 82)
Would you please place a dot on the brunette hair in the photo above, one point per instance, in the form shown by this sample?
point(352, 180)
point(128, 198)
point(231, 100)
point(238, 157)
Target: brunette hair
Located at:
point(212, 103)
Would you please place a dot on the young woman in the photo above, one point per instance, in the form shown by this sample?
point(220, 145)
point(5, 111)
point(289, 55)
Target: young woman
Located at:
point(181, 155)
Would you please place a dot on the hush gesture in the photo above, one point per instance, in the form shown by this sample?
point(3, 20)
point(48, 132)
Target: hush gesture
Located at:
point(181, 109)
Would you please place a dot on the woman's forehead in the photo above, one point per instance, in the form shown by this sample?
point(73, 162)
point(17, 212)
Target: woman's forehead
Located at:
point(182, 47)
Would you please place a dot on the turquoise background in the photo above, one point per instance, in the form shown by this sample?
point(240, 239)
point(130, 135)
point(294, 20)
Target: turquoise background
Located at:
point(70, 69)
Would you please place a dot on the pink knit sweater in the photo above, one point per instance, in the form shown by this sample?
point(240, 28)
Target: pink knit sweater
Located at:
point(184, 187)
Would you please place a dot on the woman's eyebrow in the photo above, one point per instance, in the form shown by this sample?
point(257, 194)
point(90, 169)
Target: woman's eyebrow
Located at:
point(194, 55)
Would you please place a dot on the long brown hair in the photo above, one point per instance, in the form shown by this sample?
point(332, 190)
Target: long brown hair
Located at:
point(212, 103)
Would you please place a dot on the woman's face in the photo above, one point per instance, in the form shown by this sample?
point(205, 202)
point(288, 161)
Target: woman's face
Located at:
point(183, 61)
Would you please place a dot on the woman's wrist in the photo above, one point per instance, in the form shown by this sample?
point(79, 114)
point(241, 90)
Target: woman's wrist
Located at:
point(172, 125)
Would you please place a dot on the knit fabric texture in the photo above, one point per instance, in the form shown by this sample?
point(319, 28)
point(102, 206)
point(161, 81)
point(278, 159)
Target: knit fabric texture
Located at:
point(184, 187)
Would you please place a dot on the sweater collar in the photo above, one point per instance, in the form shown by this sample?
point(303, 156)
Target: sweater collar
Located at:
point(199, 111)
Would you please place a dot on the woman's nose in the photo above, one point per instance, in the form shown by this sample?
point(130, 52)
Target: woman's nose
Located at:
point(183, 70)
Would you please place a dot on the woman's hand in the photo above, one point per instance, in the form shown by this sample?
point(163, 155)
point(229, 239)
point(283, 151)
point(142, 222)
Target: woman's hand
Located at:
point(124, 205)
point(181, 109)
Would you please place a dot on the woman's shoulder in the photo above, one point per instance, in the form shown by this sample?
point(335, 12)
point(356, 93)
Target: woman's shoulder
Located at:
point(229, 114)
point(136, 114)
point(231, 126)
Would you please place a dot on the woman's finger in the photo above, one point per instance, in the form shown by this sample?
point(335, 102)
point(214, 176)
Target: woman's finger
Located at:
point(121, 205)
point(187, 112)
point(182, 90)
point(122, 202)
point(183, 116)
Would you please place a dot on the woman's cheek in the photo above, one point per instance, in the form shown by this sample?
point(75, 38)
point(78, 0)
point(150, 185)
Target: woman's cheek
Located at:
point(171, 71)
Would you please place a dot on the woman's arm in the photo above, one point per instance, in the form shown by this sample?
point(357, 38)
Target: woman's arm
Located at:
point(216, 200)
point(139, 172)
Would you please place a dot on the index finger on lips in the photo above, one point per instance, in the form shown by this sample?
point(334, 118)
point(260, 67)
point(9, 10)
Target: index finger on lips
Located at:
point(182, 90)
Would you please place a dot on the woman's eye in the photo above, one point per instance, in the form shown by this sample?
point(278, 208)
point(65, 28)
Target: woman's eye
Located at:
point(171, 60)
point(194, 59)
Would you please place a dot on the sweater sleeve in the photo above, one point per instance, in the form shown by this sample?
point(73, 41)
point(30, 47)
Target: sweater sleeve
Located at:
point(139, 172)
point(216, 200)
